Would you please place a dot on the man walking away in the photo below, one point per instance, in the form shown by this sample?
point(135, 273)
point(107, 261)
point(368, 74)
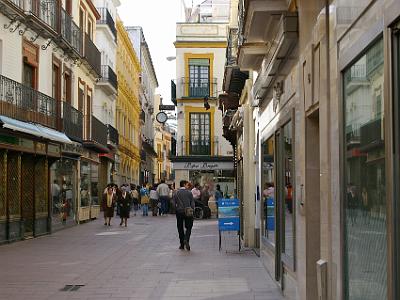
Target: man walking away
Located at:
point(135, 199)
point(183, 198)
point(154, 200)
point(163, 193)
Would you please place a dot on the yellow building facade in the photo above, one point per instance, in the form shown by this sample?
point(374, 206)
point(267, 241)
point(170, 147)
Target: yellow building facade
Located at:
point(127, 109)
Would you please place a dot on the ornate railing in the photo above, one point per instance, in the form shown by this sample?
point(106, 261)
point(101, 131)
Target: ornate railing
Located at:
point(70, 32)
point(72, 121)
point(26, 104)
point(92, 55)
point(201, 146)
point(198, 88)
point(108, 75)
point(99, 132)
point(107, 19)
point(231, 50)
point(112, 134)
point(45, 10)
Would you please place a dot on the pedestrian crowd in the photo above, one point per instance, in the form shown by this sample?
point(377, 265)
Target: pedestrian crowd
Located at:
point(161, 199)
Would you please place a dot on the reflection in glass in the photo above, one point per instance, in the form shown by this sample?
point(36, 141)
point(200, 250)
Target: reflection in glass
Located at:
point(85, 183)
point(94, 182)
point(288, 189)
point(365, 201)
point(268, 194)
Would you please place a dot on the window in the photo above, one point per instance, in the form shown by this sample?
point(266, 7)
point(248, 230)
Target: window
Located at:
point(199, 77)
point(90, 29)
point(67, 95)
point(268, 194)
point(56, 78)
point(81, 96)
point(364, 196)
point(200, 143)
point(68, 6)
point(288, 206)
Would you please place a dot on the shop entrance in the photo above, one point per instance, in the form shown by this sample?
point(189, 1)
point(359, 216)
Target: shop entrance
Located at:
point(311, 204)
point(27, 194)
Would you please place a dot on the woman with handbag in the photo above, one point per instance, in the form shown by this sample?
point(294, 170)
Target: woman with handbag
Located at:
point(184, 207)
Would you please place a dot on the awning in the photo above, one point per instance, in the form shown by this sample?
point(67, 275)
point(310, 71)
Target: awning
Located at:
point(34, 129)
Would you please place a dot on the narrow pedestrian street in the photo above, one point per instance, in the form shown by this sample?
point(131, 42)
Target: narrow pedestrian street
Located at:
point(141, 261)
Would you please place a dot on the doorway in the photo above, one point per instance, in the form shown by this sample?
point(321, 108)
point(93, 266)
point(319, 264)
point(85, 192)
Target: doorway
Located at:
point(27, 194)
point(312, 203)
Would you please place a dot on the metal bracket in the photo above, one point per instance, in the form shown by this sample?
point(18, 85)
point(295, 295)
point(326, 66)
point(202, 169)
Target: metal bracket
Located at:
point(33, 39)
point(44, 47)
point(12, 21)
point(16, 27)
point(22, 31)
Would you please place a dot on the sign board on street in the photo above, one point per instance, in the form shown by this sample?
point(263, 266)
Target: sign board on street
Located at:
point(228, 215)
point(214, 165)
point(166, 107)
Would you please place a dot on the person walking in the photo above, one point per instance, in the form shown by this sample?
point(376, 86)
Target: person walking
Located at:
point(154, 200)
point(144, 199)
point(183, 199)
point(196, 192)
point(205, 195)
point(108, 204)
point(163, 192)
point(124, 203)
point(135, 199)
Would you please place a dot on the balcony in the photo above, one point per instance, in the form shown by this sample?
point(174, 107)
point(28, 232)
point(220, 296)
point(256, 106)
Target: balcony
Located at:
point(72, 122)
point(95, 134)
point(108, 80)
point(173, 92)
point(106, 19)
point(43, 12)
point(198, 88)
point(71, 36)
point(92, 56)
point(372, 135)
point(112, 136)
point(23, 103)
point(200, 147)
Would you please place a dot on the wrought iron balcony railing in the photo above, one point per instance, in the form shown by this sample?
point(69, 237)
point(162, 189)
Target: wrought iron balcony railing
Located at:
point(143, 116)
point(241, 20)
point(231, 50)
point(26, 104)
point(107, 19)
point(199, 146)
point(173, 92)
point(70, 32)
point(45, 10)
point(198, 88)
point(99, 132)
point(112, 135)
point(108, 75)
point(92, 55)
point(72, 121)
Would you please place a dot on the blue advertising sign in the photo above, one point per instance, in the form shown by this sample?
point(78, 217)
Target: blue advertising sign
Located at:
point(228, 215)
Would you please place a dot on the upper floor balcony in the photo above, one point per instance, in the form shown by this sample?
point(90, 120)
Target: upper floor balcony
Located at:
point(108, 79)
point(23, 103)
point(107, 20)
point(200, 146)
point(195, 88)
point(48, 19)
point(143, 116)
point(95, 134)
point(112, 136)
point(92, 56)
point(72, 122)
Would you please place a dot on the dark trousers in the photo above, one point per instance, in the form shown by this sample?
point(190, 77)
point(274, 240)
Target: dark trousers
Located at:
point(184, 222)
point(164, 204)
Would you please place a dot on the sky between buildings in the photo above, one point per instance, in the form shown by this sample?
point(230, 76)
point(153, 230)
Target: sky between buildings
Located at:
point(158, 19)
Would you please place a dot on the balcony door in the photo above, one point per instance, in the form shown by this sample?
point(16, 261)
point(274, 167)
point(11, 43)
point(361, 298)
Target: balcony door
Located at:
point(199, 77)
point(200, 142)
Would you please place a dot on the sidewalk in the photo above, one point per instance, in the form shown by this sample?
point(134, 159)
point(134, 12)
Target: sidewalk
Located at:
point(141, 261)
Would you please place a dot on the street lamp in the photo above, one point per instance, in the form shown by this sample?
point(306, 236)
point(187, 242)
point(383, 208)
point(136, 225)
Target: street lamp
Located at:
point(171, 58)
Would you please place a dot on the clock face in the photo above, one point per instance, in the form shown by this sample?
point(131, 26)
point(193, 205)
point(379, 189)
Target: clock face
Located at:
point(161, 117)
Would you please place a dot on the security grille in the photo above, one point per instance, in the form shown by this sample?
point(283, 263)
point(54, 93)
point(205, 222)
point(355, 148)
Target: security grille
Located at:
point(13, 184)
point(27, 177)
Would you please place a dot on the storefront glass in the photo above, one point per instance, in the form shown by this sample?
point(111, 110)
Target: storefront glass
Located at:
point(94, 183)
point(268, 194)
point(85, 183)
point(288, 205)
point(365, 237)
point(63, 190)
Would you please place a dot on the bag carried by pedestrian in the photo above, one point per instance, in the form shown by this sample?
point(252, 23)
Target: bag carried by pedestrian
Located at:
point(188, 210)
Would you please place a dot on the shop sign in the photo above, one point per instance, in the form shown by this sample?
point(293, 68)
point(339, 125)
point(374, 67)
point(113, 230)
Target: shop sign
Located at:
point(228, 215)
point(40, 148)
point(110, 156)
point(210, 166)
point(166, 107)
point(72, 149)
point(53, 149)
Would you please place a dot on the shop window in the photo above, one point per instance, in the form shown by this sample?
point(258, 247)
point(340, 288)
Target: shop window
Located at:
point(364, 194)
point(199, 142)
point(94, 184)
point(85, 184)
point(268, 194)
point(287, 192)
point(2, 184)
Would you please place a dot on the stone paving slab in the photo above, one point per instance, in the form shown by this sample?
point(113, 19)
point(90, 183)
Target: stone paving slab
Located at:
point(141, 261)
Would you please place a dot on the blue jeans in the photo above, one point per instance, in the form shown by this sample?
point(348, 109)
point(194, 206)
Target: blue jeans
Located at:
point(164, 204)
point(145, 209)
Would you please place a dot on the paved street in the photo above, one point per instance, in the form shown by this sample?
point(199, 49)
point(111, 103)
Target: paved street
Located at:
point(141, 261)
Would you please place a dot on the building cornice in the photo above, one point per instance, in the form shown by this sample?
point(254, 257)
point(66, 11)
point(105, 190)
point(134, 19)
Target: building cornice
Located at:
point(200, 44)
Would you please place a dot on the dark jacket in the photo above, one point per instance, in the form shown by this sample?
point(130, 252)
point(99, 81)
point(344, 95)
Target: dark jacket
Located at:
point(183, 198)
point(108, 211)
point(124, 205)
